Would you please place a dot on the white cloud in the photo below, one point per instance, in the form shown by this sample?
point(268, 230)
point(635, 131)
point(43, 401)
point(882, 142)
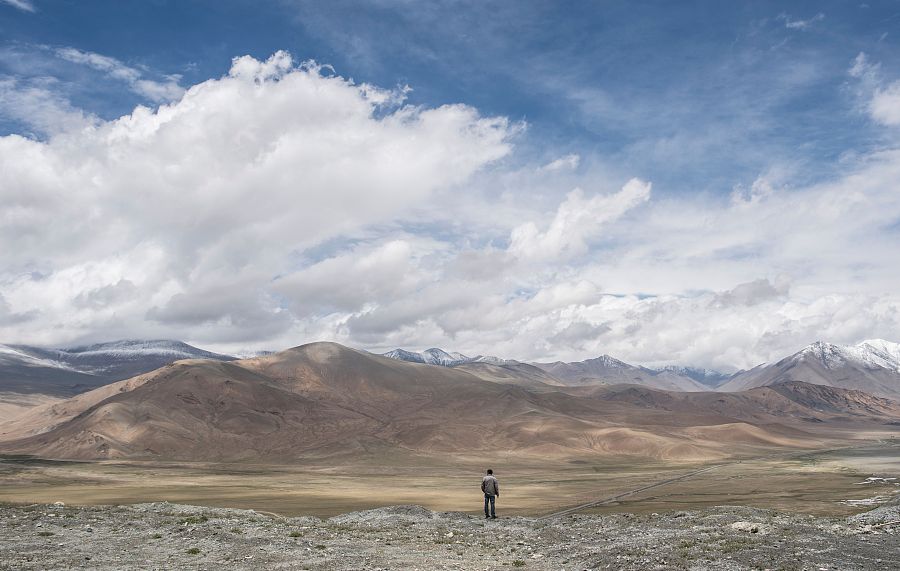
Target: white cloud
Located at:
point(24, 5)
point(37, 104)
point(576, 221)
point(201, 203)
point(798, 24)
point(885, 105)
point(279, 205)
point(156, 91)
point(881, 102)
point(567, 162)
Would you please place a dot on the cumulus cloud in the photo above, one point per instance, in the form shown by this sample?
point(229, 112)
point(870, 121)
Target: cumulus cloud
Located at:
point(576, 221)
point(282, 204)
point(216, 191)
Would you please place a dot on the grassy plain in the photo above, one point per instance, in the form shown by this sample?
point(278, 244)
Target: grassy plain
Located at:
point(808, 482)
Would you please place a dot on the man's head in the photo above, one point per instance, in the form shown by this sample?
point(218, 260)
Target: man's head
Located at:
point(490, 472)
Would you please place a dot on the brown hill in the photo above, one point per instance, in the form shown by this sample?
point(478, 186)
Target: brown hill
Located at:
point(512, 373)
point(326, 399)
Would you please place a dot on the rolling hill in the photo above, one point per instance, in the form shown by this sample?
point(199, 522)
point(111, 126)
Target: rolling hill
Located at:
point(324, 399)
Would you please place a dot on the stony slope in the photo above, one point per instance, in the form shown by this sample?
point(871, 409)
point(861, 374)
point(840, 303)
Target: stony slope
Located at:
point(170, 536)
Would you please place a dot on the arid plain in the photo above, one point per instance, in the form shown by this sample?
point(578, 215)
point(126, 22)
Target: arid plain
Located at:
point(825, 482)
point(323, 429)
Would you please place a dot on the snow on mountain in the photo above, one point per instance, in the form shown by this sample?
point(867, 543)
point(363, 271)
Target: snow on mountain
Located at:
point(436, 356)
point(130, 348)
point(404, 355)
point(26, 369)
point(433, 356)
point(872, 366)
point(871, 353)
point(13, 356)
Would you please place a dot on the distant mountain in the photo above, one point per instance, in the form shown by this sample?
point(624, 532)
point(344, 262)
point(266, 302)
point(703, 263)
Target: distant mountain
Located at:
point(606, 370)
point(435, 356)
point(706, 377)
point(325, 400)
point(24, 370)
point(603, 370)
point(872, 366)
point(488, 368)
point(63, 372)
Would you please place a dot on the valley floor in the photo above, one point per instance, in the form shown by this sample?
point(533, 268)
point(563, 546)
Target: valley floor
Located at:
point(821, 482)
point(171, 536)
point(787, 510)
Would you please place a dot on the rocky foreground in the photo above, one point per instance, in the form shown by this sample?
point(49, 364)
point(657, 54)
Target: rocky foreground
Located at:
point(169, 536)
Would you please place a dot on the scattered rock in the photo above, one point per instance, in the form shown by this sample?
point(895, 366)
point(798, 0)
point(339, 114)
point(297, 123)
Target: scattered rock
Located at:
point(748, 526)
point(411, 537)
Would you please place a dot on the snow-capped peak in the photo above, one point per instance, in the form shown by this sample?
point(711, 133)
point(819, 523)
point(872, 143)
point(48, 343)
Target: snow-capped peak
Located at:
point(404, 355)
point(433, 356)
point(871, 353)
point(608, 361)
point(887, 348)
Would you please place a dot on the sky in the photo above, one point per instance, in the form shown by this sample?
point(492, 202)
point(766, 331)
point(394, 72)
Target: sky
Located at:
point(700, 183)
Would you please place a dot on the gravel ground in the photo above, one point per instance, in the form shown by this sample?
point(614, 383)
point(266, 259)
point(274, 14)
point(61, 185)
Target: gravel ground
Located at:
point(170, 536)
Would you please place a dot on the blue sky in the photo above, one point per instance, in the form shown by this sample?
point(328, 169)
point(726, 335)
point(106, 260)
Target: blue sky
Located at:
point(740, 85)
point(703, 182)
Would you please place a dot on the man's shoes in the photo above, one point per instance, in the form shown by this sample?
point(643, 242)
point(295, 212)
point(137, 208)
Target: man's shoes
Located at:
point(493, 517)
point(487, 517)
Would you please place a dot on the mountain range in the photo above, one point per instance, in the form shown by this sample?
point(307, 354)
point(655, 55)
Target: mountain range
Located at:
point(327, 400)
point(872, 366)
point(69, 371)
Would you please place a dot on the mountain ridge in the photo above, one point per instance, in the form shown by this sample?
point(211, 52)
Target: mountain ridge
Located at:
point(327, 400)
point(871, 366)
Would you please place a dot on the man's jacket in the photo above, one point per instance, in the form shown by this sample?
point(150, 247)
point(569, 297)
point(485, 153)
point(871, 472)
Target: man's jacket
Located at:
point(490, 486)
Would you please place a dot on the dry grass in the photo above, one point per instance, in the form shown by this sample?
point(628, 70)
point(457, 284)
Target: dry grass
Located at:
point(810, 483)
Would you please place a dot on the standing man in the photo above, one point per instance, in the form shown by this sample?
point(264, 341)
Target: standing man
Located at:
point(491, 488)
